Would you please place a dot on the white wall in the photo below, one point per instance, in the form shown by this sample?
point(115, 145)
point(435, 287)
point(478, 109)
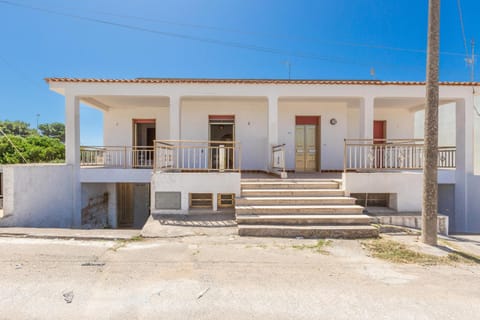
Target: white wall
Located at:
point(400, 122)
point(473, 209)
point(38, 195)
point(353, 120)
point(406, 185)
point(332, 136)
point(194, 183)
point(100, 175)
point(250, 125)
point(118, 125)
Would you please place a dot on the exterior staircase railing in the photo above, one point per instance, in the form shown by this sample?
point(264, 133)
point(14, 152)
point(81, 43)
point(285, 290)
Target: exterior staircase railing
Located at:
point(197, 156)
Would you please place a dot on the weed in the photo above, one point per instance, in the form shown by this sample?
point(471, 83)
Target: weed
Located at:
point(317, 247)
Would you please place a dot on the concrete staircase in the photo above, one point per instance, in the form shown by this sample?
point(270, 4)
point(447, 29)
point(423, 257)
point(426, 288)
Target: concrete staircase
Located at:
point(309, 208)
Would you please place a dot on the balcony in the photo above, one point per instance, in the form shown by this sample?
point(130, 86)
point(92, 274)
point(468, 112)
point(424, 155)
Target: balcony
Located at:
point(119, 157)
point(197, 156)
point(395, 154)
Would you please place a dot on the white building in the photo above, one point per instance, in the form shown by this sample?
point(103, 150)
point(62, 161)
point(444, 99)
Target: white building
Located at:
point(173, 144)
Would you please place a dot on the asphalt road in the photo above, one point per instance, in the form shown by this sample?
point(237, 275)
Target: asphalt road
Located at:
point(224, 277)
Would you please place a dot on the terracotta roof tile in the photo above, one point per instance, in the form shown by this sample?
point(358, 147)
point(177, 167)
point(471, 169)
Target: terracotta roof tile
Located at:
point(255, 81)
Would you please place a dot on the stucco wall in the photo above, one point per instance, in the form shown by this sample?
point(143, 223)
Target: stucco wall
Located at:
point(400, 122)
point(194, 183)
point(331, 136)
point(250, 125)
point(99, 175)
point(473, 209)
point(118, 125)
point(38, 195)
point(96, 204)
point(406, 185)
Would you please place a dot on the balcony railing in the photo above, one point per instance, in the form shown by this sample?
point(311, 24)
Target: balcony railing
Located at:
point(446, 157)
point(197, 156)
point(400, 154)
point(126, 157)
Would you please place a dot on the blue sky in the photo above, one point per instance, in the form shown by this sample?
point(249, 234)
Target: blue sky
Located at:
point(340, 39)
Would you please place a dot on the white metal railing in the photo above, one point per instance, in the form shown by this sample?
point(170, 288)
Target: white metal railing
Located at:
point(117, 157)
point(197, 155)
point(446, 157)
point(278, 157)
point(397, 154)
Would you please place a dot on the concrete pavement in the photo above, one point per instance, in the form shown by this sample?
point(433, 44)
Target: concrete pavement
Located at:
point(224, 277)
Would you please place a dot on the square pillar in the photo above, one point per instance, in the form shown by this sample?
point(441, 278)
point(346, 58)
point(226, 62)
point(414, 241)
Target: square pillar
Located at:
point(72, 130)
point(72, 154)
point(464, 161)
point(272, 127)
point(366, 117)
point(174, 118)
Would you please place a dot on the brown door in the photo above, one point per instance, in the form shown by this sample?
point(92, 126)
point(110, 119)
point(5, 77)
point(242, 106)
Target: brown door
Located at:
point(307, 143)
point(380, 138)
point(125, 205)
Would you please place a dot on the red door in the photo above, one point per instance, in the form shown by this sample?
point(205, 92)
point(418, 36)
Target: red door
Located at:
point(379, 137)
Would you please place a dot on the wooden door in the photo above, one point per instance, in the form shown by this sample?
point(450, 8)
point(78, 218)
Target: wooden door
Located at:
point(310, 148)
point(380, 138)
point(125, 205)
point(307, 138)
point(300, 148)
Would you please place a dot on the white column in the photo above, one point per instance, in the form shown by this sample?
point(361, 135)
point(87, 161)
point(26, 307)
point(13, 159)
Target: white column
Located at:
point(72, 130)
point(366, 117)
point(464, 161)
point(72, 153)
point(174, 119)
point(272, 126)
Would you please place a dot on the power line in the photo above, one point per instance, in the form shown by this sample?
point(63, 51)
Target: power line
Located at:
point(194, 38)
point(220, 42)
point(269, 35)
point(459, 6)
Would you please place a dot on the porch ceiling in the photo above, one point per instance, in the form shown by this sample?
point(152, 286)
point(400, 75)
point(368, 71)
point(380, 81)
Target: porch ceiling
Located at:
point(413, 104)
point(108, 102)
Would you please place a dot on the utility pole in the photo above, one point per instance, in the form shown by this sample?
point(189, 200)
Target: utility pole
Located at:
point(430, 162)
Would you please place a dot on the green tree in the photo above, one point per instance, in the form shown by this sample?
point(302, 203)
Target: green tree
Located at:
point(34, 149)
point(54, 130)
point(17, 128)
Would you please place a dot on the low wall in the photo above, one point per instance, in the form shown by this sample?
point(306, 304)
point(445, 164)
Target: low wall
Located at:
point(179, 185)
point(411, 221)
point(406, 187)
point(37, 195)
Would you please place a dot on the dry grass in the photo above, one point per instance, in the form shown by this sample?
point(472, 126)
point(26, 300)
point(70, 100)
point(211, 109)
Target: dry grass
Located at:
point(397, 252)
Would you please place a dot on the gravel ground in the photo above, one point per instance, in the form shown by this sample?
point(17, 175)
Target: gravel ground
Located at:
point(224, 277)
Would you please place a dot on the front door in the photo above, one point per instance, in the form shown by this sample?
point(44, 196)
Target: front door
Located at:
point(306, 143)
point(221, 128)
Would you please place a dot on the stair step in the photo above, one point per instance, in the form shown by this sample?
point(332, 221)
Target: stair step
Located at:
point(290, 185)
point(355, 219)
point(347, 232)
point(292, 192)
point(299, 209)
point(294, 200)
